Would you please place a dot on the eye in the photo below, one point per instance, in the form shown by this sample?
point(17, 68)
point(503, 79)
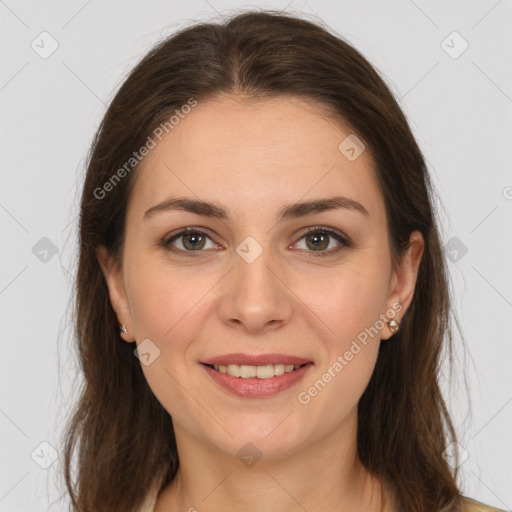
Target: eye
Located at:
point(188, 240)
point(318, 239)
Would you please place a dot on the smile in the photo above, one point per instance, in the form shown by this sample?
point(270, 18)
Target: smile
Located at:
point(256, 381)
point(261, 372)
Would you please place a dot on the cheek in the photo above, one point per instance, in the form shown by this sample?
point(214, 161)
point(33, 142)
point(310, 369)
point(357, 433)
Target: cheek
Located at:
point(350, 350)
point(347, 311)
point(165, 302)
point(168, 308)
point(347, 302)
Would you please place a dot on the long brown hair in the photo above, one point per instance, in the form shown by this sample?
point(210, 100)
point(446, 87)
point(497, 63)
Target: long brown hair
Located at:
point(403, 422)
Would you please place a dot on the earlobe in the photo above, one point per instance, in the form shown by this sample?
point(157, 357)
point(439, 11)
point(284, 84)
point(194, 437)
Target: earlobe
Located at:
point(116, 290)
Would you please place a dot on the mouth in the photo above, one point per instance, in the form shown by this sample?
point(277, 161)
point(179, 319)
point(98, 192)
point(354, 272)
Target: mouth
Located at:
point(267, 371)
point(262, 381)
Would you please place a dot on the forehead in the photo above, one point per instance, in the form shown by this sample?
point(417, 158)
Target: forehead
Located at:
point(258, 153)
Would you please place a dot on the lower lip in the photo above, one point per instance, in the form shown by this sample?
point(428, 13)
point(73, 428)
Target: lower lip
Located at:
point(254, 387)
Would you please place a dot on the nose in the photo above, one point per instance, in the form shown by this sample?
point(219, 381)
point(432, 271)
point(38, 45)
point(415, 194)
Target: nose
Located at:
point(255, 295)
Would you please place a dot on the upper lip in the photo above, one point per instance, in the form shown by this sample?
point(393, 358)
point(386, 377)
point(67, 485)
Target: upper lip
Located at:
point(256, 360)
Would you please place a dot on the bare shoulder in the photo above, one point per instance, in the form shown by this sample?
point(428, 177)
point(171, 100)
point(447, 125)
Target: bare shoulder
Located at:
point(471, 505)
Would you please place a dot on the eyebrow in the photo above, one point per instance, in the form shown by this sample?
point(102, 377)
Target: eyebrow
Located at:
point(291, 211)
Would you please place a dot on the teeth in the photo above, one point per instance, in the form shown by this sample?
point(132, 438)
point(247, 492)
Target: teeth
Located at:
point(261, 372)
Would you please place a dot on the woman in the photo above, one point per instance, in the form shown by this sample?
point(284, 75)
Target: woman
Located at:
point(262, 297)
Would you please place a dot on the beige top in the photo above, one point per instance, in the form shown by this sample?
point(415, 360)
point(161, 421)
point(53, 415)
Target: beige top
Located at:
point(470, 505)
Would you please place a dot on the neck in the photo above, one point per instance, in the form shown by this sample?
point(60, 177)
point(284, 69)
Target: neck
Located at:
point(326, 475)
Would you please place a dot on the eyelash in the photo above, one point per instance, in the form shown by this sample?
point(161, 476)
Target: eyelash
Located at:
point(343, 240)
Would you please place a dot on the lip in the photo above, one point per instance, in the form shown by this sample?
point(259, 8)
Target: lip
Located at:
point(258, 388)
point(256, 360)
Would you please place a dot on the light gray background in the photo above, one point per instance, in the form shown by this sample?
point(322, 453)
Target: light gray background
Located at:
point(460, 110)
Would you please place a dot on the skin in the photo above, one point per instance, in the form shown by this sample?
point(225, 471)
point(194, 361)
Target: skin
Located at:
point(271, 153)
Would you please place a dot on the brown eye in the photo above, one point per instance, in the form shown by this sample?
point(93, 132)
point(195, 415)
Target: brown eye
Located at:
point(188, 240)
point(193, 241)
point(318, 240)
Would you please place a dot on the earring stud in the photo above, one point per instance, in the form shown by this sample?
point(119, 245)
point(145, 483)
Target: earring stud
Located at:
point(123, 329)
point(393, 325)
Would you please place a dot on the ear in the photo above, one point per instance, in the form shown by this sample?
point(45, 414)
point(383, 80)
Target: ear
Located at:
point(116, 290)
point(403, 280)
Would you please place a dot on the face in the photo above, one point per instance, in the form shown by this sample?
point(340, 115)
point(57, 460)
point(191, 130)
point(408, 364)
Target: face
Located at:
point(254, 281)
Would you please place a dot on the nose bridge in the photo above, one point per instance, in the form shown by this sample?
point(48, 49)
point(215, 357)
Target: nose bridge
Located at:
point(255, 295)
